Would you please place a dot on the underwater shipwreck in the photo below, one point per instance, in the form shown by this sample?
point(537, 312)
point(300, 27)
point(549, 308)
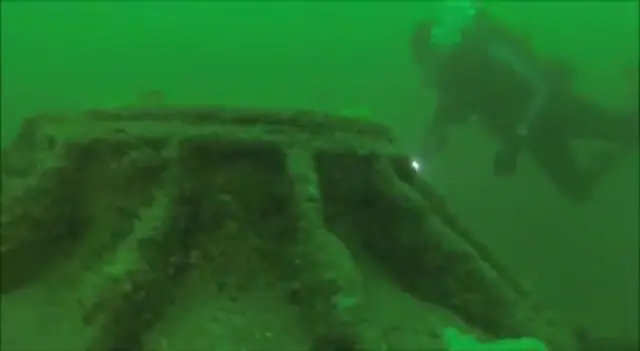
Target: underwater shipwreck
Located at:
point(249, 229)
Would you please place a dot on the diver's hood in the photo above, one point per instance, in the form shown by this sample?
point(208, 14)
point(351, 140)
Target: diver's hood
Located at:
point(453, 18)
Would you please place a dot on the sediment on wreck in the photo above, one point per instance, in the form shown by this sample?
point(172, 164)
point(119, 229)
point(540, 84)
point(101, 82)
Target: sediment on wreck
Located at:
point(249, 196)
point(330, 285)
point(41, 221)
point(125, 296)
point(70, 189)
point(394, 219)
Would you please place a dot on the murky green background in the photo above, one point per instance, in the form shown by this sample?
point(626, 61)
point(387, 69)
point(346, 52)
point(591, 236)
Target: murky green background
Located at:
point(340, 56)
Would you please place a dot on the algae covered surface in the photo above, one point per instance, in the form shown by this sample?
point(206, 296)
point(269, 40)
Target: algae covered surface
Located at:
point(337, 58)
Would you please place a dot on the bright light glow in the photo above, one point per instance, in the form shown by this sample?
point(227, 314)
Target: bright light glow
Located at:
point(415, 165)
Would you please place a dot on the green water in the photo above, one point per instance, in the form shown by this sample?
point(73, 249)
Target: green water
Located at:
point(583, 260)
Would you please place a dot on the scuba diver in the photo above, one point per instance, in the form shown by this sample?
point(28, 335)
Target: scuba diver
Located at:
point(482, 70)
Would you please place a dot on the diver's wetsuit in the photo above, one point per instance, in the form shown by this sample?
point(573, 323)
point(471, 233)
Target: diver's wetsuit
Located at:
point(470, 82)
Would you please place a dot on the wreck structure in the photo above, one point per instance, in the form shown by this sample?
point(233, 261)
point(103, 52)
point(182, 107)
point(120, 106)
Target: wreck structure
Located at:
point(138, 198)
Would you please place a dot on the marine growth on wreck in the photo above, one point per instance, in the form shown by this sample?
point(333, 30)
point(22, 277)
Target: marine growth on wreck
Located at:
point(129, 208)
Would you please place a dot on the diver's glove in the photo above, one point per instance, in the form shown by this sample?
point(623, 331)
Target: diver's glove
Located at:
point(505, 162)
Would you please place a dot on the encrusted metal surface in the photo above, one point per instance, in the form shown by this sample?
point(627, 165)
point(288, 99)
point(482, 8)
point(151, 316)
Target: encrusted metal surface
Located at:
point(136, 201)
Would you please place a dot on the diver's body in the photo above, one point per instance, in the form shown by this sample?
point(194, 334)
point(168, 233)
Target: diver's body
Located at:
point(525, 103)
